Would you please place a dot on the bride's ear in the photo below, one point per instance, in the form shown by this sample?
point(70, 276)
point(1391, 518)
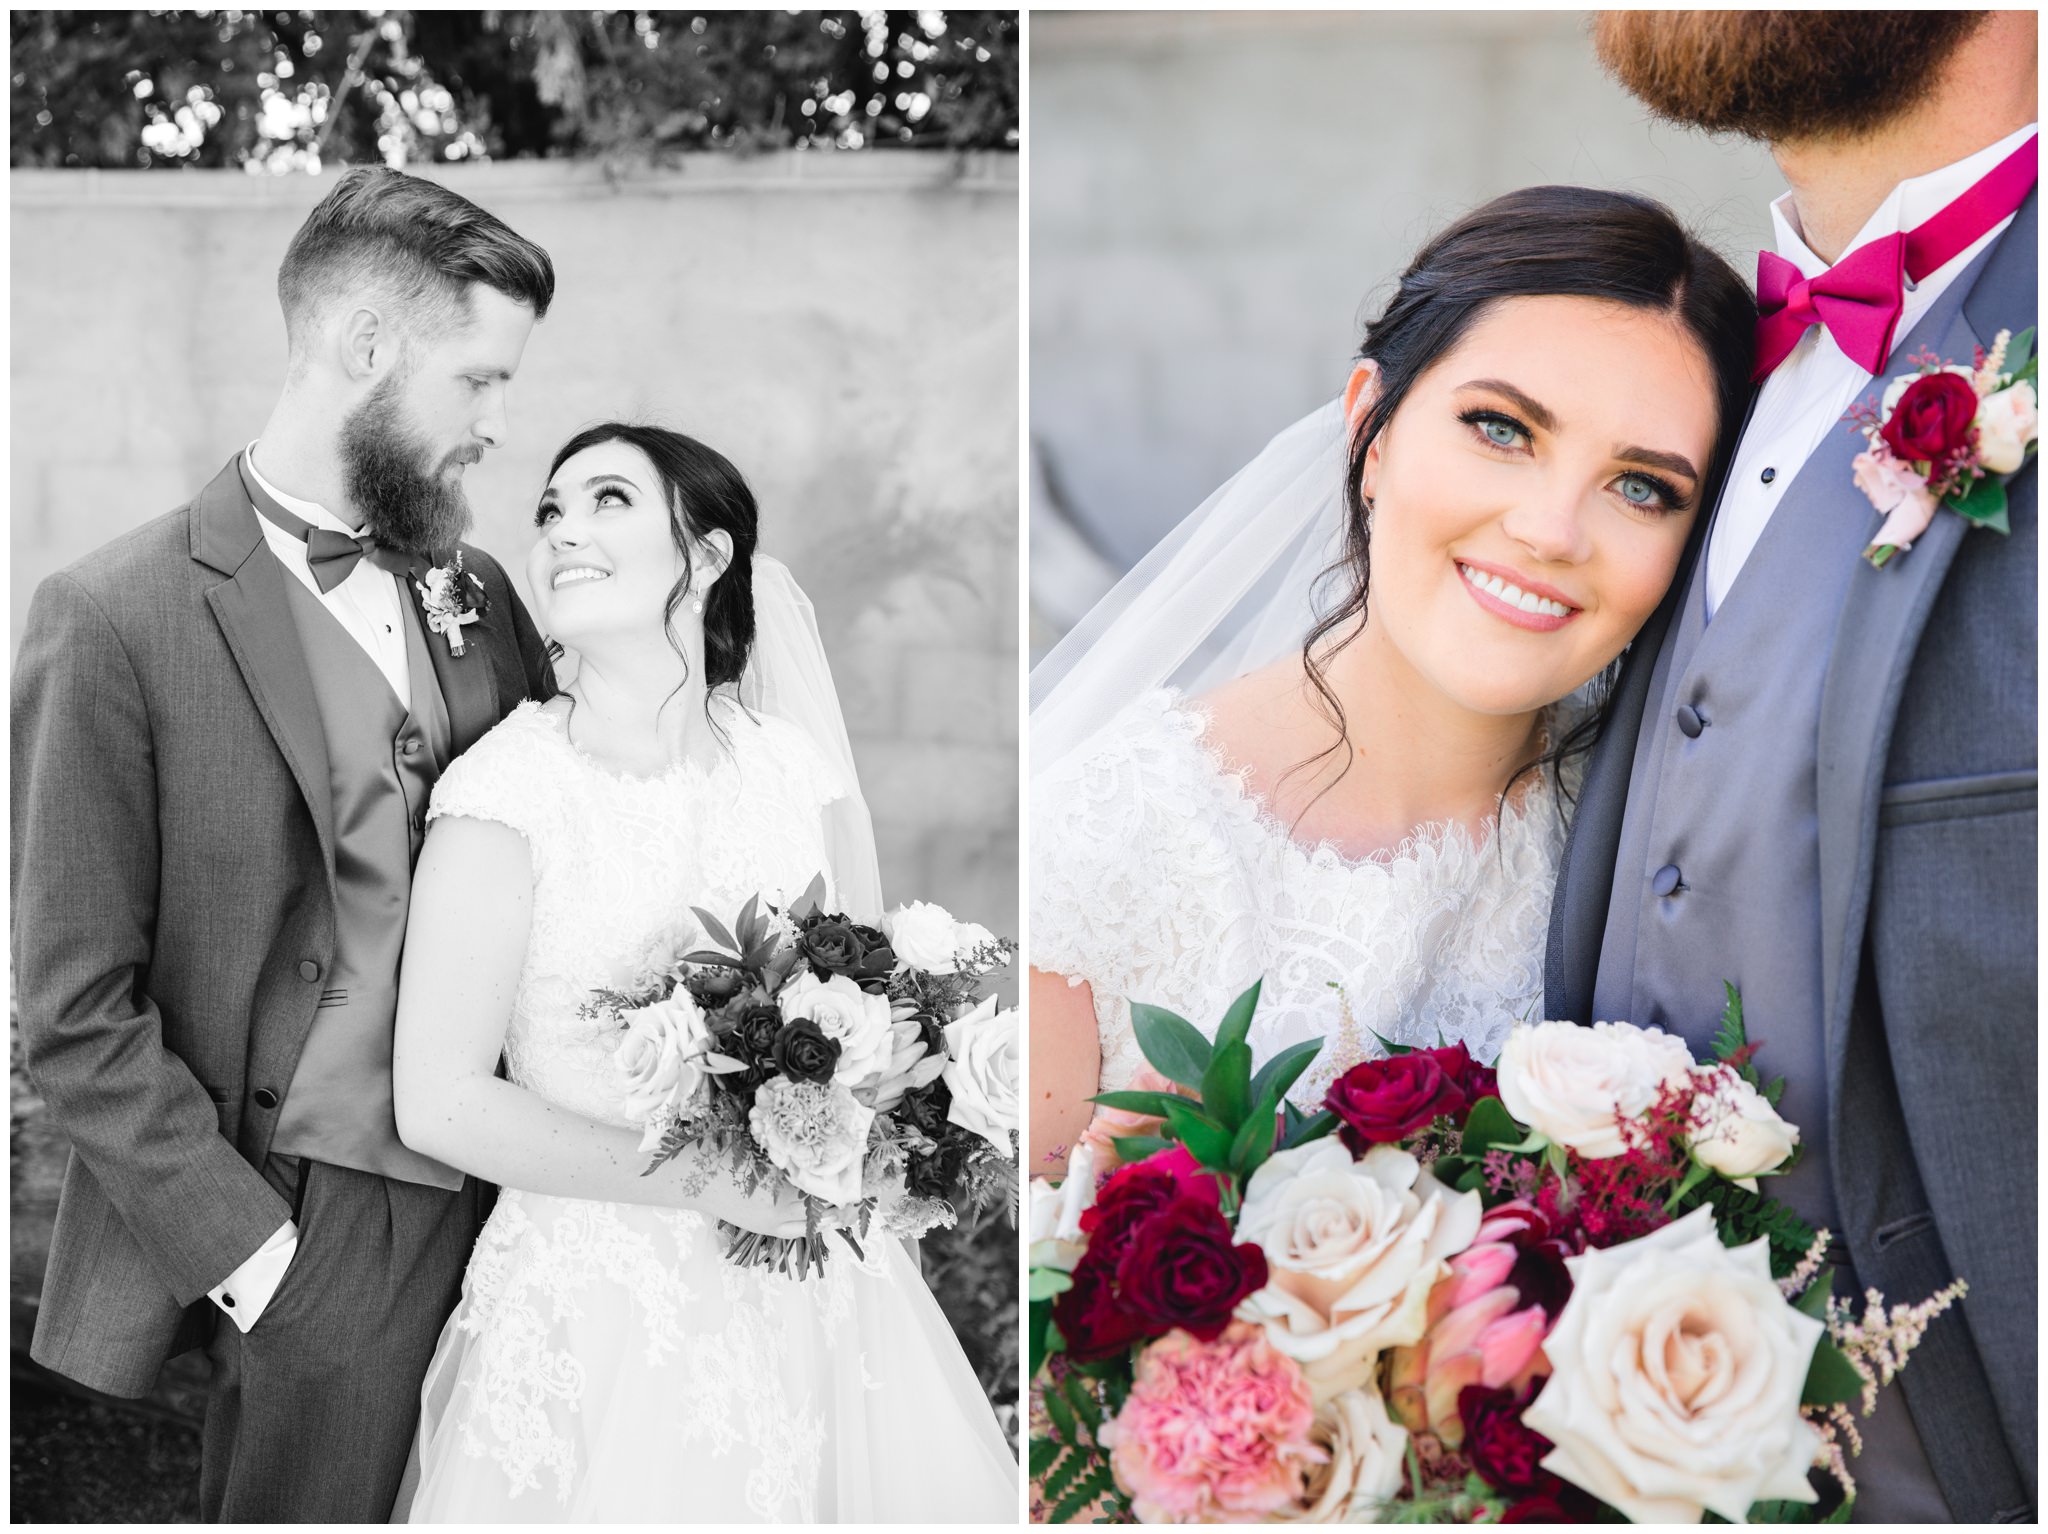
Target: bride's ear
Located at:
point(716, 547)
point(1359, 395)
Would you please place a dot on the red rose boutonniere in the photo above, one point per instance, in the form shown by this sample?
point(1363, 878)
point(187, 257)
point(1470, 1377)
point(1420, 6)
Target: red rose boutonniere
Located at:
point(451, 597)
point(1949, 436)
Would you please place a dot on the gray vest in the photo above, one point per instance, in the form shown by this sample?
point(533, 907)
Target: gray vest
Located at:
point(1719, 855)
point(383, 762)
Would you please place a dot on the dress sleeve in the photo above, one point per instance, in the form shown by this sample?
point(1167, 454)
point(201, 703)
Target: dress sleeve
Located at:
point(505, 777)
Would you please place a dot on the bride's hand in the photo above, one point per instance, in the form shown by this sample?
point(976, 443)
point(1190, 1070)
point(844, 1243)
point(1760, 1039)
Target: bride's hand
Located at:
point(777, 1213)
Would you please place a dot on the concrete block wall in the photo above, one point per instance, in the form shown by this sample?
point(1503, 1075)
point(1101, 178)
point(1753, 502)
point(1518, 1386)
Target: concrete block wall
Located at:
point(844, 328)
point(1218, 200)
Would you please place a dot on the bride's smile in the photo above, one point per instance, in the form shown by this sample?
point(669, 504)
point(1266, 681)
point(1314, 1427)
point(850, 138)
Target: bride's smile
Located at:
point(1531, 496)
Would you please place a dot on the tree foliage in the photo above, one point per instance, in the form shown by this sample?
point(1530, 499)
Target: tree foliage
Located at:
point(282, 91)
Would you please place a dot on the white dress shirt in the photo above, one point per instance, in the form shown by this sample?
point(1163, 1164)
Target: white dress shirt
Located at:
point(370, 605)
point(1808, 393)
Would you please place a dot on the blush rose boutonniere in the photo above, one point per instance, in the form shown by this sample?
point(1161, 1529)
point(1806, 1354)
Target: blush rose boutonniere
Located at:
point(1947, 435)
point(451, 598)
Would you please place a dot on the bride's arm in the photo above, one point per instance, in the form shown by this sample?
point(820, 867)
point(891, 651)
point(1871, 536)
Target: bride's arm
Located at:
point(1066, 1069)
point(465, 942)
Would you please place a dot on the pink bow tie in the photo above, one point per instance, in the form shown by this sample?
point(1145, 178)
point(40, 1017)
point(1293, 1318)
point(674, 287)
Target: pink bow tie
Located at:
point(1858, 299)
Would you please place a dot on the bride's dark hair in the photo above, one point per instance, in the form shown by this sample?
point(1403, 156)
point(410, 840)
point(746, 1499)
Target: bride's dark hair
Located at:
point(1542, 241)
point(705, 494)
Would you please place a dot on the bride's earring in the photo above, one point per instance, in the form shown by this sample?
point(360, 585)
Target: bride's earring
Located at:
point(696, 601)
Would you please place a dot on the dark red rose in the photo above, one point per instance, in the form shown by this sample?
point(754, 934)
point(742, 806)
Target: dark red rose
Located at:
point(803, 1053)
point(877, 959)
point(1385, 1101)
point(1128, 1198)
point(756, 1028)
point(1094, 1322)
point(1932, 419)
point(1505, 1451)
point(1473, 1079)
point(832, 947)
point(1182, 1267)
point(713, 987)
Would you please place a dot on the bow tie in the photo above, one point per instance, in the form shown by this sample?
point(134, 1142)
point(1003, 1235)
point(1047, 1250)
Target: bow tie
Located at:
point(331, 555)
point(1859, 298)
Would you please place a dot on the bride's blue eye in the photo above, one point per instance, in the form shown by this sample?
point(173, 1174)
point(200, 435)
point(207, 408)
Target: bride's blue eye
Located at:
point(1637, 489)
point(1498, 430)
point(1649, 492)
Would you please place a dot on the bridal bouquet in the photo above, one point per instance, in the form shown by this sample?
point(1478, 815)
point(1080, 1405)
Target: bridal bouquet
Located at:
point(863, 1068)
point(1552, 1291)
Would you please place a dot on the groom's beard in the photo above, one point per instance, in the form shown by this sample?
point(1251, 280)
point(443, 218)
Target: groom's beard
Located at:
point(1780, 75)
point(392, 477)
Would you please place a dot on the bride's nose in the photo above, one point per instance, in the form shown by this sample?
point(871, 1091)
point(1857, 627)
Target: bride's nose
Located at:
point(1551, 525)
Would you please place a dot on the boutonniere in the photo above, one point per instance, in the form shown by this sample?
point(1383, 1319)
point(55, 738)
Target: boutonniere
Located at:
point(1945, 435)
point(451, 597)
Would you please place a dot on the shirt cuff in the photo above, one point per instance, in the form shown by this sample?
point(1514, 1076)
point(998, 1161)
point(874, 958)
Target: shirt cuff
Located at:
point(244, 1293)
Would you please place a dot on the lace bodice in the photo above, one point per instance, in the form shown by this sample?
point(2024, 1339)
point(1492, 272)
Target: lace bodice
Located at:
point(1158, 877)
point(619, 861)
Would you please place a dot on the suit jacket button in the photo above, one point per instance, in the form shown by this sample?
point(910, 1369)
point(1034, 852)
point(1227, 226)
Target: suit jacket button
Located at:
point(265, 1098)
point(412, 747)
point(309, 971)
point(1666, 879)
point(1689, 721)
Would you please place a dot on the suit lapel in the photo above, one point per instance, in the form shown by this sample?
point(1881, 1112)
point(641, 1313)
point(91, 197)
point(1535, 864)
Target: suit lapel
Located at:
point(1883, 616)
point(252, 611)
point(467, 685)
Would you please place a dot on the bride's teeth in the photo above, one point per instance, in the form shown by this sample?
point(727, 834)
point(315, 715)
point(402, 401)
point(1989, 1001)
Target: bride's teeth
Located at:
point(1513, 595)
point(581, 573)
point(1530, 602)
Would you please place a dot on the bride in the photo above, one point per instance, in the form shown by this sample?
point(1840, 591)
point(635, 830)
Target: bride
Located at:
point(1326, 734)
point(605, 1362)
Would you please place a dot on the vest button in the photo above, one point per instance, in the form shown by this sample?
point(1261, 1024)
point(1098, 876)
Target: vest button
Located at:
point(1689, 721)
point(309, 971)
point(265, 1098)
point(1665, 880)
point(412, 747)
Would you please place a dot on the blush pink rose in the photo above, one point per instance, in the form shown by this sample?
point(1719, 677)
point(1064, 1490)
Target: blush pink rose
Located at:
point(1897, 492)
point(1214, 1432)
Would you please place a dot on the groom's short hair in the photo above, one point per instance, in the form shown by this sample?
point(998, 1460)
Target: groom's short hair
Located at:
point(410, 245)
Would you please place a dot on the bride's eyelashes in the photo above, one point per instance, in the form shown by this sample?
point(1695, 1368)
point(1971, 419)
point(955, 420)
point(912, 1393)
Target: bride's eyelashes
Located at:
point(550, 509)
point(1638, 489)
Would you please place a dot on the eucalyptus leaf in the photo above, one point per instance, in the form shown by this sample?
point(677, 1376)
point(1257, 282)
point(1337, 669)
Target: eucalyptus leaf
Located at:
point(1048, 1282)
point(1173, 1045)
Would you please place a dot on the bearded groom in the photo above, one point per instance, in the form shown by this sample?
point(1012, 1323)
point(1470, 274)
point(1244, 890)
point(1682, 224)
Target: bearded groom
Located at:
point(226, 726)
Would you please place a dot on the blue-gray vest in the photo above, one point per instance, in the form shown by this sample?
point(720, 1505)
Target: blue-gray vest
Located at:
point(1842, 752)
point(383, 760)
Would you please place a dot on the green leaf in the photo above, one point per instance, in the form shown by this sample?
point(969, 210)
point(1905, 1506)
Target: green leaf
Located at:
point(1830, 1378)
point(1237, 1022)
point(1311, 1129)
point(1390, 1047)
point(1062, 1414)
point(1173, 1045)
point(1044, 1337)
point(1044, 1454)
point(1731, 1035)
point(1285, 1068)
point(1047, 1282)
point(812, 899)
point(1138, 1147)
point(1489, 1126)
point(1151, 1104)
point(1813, 1300)
point(750, 918)
point(1085, 1492)
point(1254, 1140)
point(2019, 351)
point(1983, 502)
point(1226, 1085)
point(1553, 1159)
point(1059, 1481)
point(1207, 1140)
point(1695, 1174)
point(715, 929)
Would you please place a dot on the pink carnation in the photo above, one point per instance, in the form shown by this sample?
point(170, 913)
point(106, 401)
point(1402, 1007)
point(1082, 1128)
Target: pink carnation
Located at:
point(1214, 1432)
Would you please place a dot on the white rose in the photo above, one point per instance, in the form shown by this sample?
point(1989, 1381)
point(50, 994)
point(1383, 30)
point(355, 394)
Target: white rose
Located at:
point(1056, 1211)
point(1744, 1135)
point(817, 1133)
point(1677, 1368)
point(1352, 1250)
point(661, 1058)
point(1367, 1450)
point(1574, 1085)
point(925, 937)
point(2006, 423)
point(983, 1072)
point(843, 1011)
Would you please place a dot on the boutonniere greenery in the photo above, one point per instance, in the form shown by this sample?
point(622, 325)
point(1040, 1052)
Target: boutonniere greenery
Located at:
point(451, 597)
point(1947, 435)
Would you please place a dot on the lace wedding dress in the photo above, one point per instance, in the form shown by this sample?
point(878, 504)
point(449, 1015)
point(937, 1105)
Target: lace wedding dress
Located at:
point(605, 1363)
point(1157, 877)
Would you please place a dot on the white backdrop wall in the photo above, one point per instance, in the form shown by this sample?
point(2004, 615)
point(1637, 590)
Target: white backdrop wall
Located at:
point(844, 328)
point(1219, 199)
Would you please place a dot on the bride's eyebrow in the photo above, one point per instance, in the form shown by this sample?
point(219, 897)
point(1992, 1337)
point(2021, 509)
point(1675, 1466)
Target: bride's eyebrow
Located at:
point(1677, 463)
point(608, 479)
point(1538, 414)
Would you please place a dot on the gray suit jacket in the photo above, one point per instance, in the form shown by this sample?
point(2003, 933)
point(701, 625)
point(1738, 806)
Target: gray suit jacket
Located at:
point(173, 881)
point(1927, 835)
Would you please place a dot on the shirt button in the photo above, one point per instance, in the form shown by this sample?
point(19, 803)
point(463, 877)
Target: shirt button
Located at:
point(228, 1300)
point(1689, 721)
point(265, 1098)
point(309, 971)
point(1769, 475)
point(1666, 879)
